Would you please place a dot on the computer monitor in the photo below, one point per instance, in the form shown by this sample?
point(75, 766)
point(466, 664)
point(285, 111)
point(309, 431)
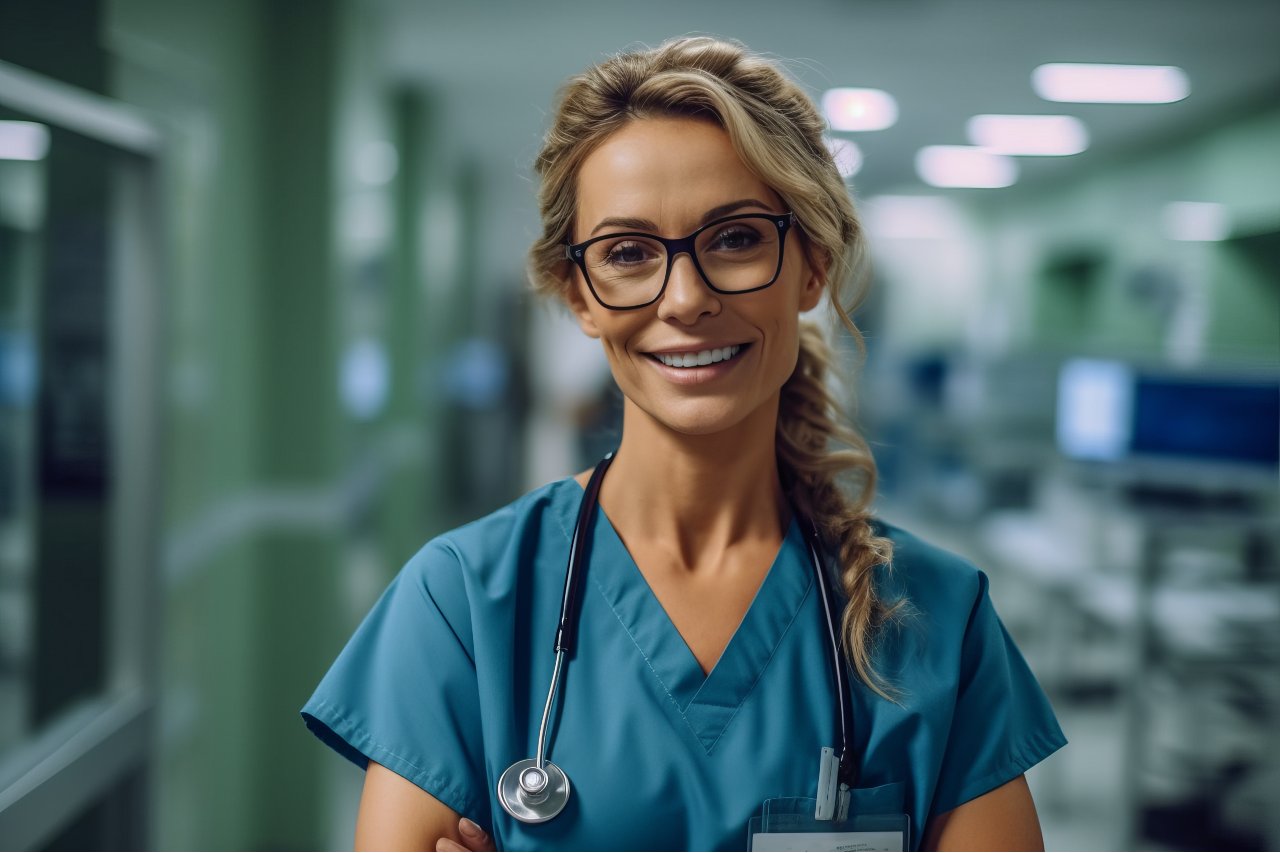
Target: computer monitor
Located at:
point(1198, 426)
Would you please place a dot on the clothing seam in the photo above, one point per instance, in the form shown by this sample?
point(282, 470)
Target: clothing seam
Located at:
point(639, 648)
point(764, 667)
point(430, 599)
point(560, 523)
point(1021, 758)
point(341, 717)
point(663, 684)
point(420, 772)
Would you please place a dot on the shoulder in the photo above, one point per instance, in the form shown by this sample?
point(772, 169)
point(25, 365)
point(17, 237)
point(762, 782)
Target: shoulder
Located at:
point(490, 550)
point(936, 585)
point(918, 563)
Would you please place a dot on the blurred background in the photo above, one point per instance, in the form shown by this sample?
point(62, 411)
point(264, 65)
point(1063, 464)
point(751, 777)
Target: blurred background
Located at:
point(264, 330)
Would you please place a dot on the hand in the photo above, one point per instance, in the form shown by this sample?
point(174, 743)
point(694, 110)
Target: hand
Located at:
point(472, 835)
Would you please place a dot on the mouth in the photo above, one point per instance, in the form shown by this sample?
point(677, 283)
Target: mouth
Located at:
point(699, 358)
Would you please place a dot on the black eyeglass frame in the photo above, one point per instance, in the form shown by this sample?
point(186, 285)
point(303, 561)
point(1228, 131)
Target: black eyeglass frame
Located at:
point(576, 252)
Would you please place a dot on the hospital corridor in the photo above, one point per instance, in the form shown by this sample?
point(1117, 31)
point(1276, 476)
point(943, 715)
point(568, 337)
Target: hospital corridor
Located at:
point(267, 329)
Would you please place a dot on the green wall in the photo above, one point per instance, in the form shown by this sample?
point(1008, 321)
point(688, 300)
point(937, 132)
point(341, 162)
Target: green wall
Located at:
point(1089, 264)
point(270, 107)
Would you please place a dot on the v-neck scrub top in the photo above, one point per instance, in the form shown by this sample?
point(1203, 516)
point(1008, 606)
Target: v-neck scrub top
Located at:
point(445, 680)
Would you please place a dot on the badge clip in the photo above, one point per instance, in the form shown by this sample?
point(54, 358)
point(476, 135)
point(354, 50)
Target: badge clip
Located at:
point(842, 803)
point(828, 779)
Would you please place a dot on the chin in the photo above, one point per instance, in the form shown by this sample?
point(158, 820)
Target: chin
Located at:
point(697, 418)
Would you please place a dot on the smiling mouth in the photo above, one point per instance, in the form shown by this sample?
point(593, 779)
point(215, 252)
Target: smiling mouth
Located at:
point(699, 358)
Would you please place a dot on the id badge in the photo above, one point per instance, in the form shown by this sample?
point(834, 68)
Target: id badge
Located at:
point(788, 823)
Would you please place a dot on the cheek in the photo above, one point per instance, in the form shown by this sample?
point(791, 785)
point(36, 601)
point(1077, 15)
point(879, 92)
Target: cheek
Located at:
point(789, 334)
point(784, 330)
point(617, 335)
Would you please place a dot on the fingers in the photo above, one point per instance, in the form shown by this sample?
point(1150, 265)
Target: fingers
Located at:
point(473, 836)
point(476, 837)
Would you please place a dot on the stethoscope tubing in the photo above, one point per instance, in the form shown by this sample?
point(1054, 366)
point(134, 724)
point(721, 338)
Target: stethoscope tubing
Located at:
point(848, 768)
point(567, 632)
point(541, 760)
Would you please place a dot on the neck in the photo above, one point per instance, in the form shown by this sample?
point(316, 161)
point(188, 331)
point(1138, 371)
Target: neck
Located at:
point(701, 496)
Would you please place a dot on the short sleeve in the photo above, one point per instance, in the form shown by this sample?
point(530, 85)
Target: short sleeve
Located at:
point(1002, 723)
point(403, 691)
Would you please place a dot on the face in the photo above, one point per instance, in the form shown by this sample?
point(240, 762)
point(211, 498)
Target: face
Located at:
point(670, 176)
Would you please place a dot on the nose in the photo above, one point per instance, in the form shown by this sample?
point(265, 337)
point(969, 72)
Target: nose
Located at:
point(687, 297)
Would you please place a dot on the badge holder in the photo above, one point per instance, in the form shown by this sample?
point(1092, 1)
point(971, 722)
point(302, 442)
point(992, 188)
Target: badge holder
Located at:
point(835, 820)
point(787, 823)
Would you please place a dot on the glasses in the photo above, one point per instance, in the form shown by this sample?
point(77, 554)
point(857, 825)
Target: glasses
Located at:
point(736, 254)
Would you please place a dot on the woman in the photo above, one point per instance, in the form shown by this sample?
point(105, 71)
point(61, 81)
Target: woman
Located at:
point(691, 214)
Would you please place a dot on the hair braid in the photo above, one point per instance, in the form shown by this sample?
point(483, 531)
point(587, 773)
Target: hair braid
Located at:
point(809, 424)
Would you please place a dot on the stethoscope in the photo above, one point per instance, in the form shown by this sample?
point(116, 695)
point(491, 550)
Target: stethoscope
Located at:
point(534, 790)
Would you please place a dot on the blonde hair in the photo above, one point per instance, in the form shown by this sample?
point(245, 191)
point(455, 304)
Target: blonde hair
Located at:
point(777, 132)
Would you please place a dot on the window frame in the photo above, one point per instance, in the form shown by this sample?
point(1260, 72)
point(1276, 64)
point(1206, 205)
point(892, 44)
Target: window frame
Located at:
point(86, 752)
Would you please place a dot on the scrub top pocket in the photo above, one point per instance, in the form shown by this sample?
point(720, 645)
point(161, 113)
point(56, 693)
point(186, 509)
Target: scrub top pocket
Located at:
point(876, 821)
point(882, 799)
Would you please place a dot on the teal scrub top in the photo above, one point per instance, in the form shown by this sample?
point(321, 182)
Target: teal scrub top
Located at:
point(445, 680)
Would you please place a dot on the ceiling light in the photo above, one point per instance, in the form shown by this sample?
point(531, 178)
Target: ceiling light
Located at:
point(859, 109)
point(1195, 221)
point(23, 140)
point(1029, 135)
point(964, 166)
point(848, 156)
point(1089, 83)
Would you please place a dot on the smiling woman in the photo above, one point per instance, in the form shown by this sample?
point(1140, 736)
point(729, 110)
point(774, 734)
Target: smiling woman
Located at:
point(742, 651)
point(729, 285)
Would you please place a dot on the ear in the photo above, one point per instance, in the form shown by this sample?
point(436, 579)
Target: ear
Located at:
point(575, 297)
point(815, 279)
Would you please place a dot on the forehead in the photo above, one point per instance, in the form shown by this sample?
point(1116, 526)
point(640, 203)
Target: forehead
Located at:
point(667, 170)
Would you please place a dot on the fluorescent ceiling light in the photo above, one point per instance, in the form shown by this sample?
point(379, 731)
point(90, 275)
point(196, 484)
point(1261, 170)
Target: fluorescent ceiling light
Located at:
point(859, 109)
point(1195, 221)
point(1029, 135)
point(848, 156)
point(1089, 83)
point(911, 217)
point(964, 166)
point(23, 140)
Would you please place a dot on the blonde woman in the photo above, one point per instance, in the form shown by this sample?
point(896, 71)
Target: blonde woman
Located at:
point(736, 608)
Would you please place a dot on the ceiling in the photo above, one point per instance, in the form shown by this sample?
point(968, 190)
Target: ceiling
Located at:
point(496, 66)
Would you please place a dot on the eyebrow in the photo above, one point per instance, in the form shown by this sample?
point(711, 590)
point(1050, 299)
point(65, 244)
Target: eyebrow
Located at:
point(634, 224)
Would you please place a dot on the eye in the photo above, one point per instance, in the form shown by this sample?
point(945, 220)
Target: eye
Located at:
point(628, 253)
point(734, 238)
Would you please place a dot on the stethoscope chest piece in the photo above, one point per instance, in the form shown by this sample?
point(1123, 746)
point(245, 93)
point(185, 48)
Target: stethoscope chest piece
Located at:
point(533, 794)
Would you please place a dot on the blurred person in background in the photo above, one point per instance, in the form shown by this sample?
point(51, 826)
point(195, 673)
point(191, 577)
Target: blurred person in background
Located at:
point(691, 214)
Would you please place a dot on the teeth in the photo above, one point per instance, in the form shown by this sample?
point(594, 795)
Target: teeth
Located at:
point(698, 359)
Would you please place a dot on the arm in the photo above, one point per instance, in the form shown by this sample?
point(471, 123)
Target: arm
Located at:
point(1003, 819)
point(396, 814)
